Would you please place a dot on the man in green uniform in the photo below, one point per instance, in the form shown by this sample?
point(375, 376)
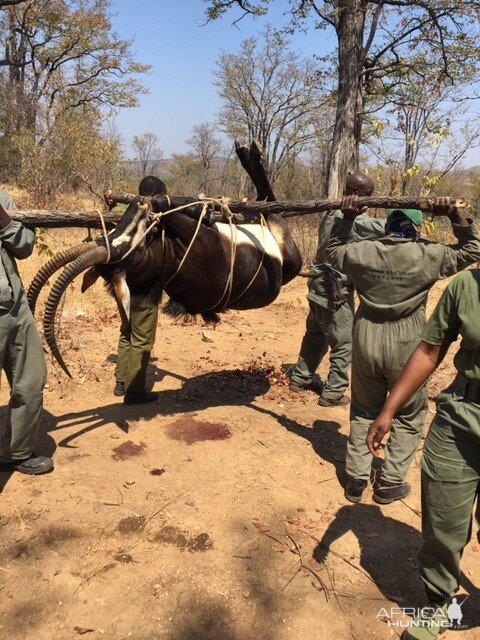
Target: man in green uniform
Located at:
point(392, 276)
point(21, 353)
point(451, 455)
point(330, 298)
point(137, 336)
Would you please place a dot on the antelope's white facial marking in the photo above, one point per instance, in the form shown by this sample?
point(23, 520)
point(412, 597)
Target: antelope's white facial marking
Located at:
point(254, 235)
point(135, 229)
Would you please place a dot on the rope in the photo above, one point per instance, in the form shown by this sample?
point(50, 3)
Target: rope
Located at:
point(200, 218)
point(226, 212)
point(233, 254)
point(264, 226)
point(105, 233)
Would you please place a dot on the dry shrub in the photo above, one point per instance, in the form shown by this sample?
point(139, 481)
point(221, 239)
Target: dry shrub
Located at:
point(304, 230)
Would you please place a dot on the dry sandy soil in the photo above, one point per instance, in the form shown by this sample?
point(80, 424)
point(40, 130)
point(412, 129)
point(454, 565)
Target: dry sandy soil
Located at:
point(216, 514)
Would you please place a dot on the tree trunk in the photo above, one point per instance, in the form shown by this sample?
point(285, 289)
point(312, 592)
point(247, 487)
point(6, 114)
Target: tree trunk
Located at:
point(349, 27)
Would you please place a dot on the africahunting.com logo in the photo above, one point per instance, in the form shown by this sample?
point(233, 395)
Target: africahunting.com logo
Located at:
point(431, 617)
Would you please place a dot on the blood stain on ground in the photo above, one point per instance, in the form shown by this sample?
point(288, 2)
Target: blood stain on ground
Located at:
point(157, 472)
point(128, 449)
point(189, 430)
point(131, 524)
point(173, 535)
point(202, 542)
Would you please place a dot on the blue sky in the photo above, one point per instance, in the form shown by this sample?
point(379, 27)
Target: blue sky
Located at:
point(169, 36)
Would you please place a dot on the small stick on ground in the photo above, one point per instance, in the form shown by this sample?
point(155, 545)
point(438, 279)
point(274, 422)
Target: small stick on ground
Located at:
point(304, 566)
point(269, 535)
point(327, 480)
point(415, 511)
point(157, 511)
point(111, 503)
point(334, 589)
point(291, 578)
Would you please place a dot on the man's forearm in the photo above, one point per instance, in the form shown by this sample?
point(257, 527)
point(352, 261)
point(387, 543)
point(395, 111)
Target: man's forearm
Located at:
point(458, 217)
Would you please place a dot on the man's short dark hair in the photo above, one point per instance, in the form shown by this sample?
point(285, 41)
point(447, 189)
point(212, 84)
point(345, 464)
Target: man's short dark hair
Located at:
point(151, 186)
point(359, 183)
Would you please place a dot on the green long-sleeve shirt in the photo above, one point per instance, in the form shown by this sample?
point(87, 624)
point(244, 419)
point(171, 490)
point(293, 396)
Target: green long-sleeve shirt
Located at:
point(15, 242)
point(320, 288)
point(394, 275)
point(458, 314)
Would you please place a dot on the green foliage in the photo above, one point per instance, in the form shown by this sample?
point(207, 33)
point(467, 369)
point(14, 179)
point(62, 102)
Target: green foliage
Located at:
point(397, 44)
point(63, 73)
point(41, 244)
point(75, 150)
point(217, 8)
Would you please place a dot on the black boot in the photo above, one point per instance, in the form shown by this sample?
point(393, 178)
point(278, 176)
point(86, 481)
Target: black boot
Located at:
point(32, 466)
point(119, 389)
point(386, 492)
point(142, 397)
point(354, 489)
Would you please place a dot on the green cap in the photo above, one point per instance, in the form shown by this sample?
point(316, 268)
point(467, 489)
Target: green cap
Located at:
point(414, 215)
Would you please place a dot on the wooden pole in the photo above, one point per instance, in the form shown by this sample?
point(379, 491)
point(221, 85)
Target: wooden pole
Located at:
point(57, 219)
point(245, 210)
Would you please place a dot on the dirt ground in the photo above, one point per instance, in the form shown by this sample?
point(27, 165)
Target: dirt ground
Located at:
point(215, 514)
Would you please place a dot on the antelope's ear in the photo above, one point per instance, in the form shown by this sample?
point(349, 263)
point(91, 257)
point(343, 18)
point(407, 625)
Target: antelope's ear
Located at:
point(90, 277)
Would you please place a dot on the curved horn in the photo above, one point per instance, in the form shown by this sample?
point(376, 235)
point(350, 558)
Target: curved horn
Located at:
point(53, 265)
point(71, 271)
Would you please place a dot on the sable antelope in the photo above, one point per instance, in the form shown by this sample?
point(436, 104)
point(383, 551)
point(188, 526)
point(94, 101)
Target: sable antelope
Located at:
point(205, 268)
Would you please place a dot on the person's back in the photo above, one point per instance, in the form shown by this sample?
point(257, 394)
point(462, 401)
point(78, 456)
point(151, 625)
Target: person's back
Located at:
point(331, 280)
point(331, 307)
point(392, 276)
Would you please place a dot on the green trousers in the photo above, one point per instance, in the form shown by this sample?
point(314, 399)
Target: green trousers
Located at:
point(327, 328)
point(23, 362)
point(380, 350)
point(136, 341)
point(450, 487)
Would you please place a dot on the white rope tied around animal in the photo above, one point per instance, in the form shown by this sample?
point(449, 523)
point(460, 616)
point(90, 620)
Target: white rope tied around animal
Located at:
point(105, 233)
point(225, 210)
point(264, 226)
point(200, 219)
point(233, 253)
